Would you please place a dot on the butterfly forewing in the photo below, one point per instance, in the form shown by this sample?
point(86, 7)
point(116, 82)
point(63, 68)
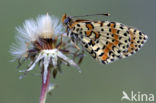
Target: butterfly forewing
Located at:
point(107, 41)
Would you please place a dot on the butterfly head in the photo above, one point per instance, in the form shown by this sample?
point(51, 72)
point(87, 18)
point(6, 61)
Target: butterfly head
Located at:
point(66, 20)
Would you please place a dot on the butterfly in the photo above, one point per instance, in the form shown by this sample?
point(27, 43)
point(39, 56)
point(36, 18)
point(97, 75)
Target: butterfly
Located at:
point(106, 41)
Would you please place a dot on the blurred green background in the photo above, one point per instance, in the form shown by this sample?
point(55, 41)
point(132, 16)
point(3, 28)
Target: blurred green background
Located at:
point(98, 83)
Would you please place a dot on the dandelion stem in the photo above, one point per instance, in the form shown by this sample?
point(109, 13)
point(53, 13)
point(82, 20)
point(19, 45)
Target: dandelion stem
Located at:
point(44, 88)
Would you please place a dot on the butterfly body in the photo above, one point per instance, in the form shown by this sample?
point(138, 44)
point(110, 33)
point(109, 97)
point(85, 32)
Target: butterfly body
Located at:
point(105, 41)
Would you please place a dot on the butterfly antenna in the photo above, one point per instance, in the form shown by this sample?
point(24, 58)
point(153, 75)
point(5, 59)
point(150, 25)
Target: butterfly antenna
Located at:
point(107, 14)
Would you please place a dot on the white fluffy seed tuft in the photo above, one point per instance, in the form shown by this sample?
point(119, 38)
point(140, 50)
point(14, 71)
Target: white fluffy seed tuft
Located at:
point(44, 26)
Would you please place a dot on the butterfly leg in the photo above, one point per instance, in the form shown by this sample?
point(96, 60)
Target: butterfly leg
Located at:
point(76, 46)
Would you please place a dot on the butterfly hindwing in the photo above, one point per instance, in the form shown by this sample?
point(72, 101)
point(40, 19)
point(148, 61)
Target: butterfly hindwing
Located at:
point(138, 38)
point(107, 41)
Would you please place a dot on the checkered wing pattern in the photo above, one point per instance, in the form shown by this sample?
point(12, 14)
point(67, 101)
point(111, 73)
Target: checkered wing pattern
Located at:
point(107, 41)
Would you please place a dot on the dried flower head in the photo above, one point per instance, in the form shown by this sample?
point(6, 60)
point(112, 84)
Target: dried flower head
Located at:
point(41, 41)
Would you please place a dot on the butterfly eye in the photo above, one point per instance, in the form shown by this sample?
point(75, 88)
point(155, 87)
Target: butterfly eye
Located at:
point(67, 20)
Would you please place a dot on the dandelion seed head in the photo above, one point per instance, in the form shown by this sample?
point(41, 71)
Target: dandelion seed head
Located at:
point(49, 26)
point(41, 41)
point(44, 26)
